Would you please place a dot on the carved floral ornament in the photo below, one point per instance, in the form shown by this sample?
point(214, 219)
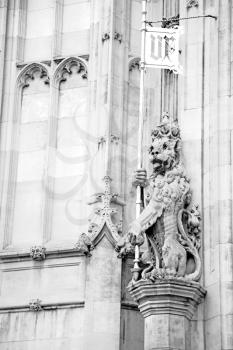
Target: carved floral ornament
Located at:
point(37, 253)
point(35, 305)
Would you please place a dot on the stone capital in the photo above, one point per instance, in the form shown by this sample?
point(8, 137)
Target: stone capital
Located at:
point(167, 307)
point(173, 296)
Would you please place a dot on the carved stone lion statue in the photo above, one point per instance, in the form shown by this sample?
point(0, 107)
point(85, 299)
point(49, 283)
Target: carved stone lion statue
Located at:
point(172, 231)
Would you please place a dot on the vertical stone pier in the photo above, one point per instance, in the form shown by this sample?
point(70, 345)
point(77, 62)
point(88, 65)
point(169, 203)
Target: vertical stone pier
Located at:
point(167, 307)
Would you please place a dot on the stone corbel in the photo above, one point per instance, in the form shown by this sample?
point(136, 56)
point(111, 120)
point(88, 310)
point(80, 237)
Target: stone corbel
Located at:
point(84, 245)
point(165, 305)
point(35, 305)
point(101, 141)
point(105, 36)
point(114, 139)
point(38, 253)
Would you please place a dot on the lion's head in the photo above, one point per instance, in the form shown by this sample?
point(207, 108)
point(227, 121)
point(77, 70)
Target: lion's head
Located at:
point(164, 152)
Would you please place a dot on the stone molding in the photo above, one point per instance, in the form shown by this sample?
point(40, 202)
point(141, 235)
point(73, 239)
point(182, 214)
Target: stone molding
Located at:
point(44, 306)
point(177, 297)
point(51, 253)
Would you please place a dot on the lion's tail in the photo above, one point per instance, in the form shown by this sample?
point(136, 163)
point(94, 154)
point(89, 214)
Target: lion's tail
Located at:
point(189, 247)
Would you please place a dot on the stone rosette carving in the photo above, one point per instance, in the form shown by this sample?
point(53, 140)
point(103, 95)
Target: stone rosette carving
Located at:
point(84, 244)
point(38, 253)
point(170, 226)
point(35, 305)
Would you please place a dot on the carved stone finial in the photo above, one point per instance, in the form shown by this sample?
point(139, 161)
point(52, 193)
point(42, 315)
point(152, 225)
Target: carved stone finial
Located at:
point(84, 244)
point(35, 305)
point(37, 253)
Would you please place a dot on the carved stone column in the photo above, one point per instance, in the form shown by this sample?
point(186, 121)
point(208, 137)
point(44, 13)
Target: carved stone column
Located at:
point(167, 307)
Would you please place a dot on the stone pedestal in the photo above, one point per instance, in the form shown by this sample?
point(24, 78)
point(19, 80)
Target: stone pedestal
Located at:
point(167, 307)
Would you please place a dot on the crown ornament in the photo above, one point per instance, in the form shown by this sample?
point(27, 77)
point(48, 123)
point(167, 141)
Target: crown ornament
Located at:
point(168, 128)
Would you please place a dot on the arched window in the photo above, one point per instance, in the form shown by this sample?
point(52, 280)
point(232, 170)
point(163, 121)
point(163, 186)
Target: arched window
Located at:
point(70, 151)
point(29, 142)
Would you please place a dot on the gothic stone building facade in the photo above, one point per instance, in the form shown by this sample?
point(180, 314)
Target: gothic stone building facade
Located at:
point(69, 98)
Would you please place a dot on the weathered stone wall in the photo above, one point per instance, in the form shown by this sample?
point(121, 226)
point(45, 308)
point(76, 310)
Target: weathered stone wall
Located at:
point(69, 91)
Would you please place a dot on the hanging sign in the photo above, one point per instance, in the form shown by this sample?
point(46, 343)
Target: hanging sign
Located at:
point(162, 48)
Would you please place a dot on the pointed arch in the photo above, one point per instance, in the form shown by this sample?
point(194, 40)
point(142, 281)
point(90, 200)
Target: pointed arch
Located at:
point(28, 72)
point(30, 124)
point(65, 66)
point(69, 117)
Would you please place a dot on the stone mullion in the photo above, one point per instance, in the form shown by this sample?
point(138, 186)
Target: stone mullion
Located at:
point(169, 79)
point(3, 23)
point(50, 163)
point(101, 76)
point(13, 52)
point(120, 61)
point(49, 181)
point(57, 33)
point(224, 176)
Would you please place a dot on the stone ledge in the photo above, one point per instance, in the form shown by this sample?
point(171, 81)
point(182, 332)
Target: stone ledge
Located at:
point(129, 305)
point(173, 296)
point(45, 306)
point(23, 255)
